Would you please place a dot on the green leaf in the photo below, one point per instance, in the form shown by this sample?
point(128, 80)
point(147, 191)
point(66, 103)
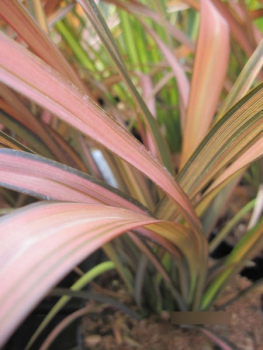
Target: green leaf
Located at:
point(104, 33)
point(80, 284)
point(232, 136)
point(249, 245)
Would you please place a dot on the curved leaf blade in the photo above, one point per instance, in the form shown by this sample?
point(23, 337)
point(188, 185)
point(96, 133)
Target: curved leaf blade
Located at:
point(75, 230)
point(247, 158)
point(14, 13)
point(23, 116)
point(235, 133)
point(33, 78)
point(49, 180)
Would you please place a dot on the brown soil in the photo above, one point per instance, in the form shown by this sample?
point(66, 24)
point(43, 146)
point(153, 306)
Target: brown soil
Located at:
point(112, 330)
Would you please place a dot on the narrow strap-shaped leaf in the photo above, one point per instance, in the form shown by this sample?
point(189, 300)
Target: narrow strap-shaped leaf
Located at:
point(37, 11)
point(75, 230)
point(47, 179)
point(255, 288)
point(75, 46)
point(22, 132)
point(249, 245)
point(231, 225)
point(64, 324)
point(258, 209)
point(233, 171)
point(181, 78)
point(13, 120)
point(24, 72)
point(136, 8)
point(244, 81)
point(223, 343)
point(209, 72)
point(8, 141)
point(217, 339)
point(233, 135)
point(80, 284)
point(81, 312)
point(104, 33)
point(24, 117)
point(162, 272)
point(18, 17)
point(238, 31)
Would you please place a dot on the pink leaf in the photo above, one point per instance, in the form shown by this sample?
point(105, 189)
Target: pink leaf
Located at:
point(15, 14)
point(41, 243)
point(30, 76)
point(47, 179)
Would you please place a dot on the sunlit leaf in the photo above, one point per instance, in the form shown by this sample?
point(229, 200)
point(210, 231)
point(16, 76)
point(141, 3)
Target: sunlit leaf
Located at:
point(238, 31)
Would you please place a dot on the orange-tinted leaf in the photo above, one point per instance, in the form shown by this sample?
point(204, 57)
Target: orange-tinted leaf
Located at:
point(237, 29)
point(208, 77)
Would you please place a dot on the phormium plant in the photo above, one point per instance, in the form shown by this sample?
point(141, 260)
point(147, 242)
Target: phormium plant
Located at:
point(185, 81)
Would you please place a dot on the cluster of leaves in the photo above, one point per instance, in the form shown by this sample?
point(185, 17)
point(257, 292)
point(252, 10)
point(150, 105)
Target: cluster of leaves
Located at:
point(184, 79)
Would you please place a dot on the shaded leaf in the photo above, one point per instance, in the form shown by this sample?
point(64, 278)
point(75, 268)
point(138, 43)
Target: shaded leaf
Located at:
point(8, 141)
point(249, 245)
point(91, 10)
point(80, 284)
point(137, 8)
